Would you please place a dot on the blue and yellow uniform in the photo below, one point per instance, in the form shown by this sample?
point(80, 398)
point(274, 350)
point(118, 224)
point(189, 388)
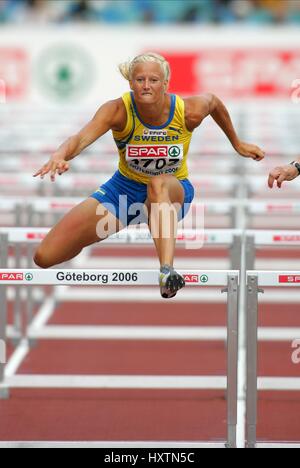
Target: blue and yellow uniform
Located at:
point(145, 152)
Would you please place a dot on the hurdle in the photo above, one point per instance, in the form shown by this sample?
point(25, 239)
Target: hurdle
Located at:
point(33, 211)
point(28, 237)
point(227, 280)
point(27, 162)
point(28, 209)
point(256, 280)
point(87, 182)
point(256, 239)
point(12, 206)
point(257, 184)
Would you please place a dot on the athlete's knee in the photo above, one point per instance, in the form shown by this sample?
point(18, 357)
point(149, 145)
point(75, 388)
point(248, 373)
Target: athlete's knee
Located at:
point(42, 259)
point(156, 187)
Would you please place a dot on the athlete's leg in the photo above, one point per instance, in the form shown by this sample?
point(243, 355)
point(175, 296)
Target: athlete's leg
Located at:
point(77, 230)
point(165, 197)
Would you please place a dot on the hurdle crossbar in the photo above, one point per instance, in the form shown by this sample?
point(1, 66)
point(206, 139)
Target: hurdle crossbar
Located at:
point(209, 236)
point(268, 238)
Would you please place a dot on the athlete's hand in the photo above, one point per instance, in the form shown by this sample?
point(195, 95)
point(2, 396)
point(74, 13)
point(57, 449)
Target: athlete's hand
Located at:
point(56, 165)
point(250, 151)
point(282, 174)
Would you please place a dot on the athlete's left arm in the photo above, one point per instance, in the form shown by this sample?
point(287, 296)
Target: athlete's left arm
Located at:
point(199, 107)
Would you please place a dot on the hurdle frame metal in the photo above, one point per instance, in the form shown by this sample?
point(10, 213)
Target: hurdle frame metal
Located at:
point(256, 280)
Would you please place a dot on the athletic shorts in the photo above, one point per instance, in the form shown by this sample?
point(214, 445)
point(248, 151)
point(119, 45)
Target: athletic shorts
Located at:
point(125, 199)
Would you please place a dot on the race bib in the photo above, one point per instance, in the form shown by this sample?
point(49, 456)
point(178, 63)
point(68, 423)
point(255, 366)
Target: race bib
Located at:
point(154, 160)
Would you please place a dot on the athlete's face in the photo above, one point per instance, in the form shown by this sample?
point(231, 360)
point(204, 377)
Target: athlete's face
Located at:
point(148, 83)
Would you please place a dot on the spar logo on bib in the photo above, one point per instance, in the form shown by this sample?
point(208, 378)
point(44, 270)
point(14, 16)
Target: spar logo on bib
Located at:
point(153, 160)
point(157, 151)
point(174, 152)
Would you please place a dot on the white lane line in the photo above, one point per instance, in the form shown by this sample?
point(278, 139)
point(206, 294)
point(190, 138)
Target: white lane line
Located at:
point(16, 359)
point(44, 313)
point(118, 381)
point(79, 332)
point(125, 332)
point(140, 294)
point(279, 383)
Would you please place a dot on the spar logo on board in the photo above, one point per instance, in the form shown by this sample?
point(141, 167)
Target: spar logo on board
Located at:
point(14, 73)
point(289, 279)
point(286, 238)
point(283, 208)
point(191, 278)
point(157, 151)
point(65, 71)
point(11, 276)
point(35, 235)
point(236, 71)
point(62, 206)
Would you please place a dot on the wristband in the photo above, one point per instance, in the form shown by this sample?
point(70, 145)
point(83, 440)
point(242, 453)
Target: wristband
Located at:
point(296, 165)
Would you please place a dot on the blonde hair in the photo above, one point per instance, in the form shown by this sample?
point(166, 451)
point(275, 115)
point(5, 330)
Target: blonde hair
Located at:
point(126, 68)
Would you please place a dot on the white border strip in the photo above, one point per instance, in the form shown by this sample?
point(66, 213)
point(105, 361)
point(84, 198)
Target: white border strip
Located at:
point(273, 445)
point(115, 444)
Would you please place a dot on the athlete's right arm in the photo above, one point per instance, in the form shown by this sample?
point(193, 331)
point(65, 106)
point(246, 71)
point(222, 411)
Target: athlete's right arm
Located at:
point(110, 116)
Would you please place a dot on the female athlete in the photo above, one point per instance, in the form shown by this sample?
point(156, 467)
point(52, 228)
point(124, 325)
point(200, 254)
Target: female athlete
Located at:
point(152, 130)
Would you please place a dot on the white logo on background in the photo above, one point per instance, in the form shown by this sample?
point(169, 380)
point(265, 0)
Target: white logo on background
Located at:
point(296, 353)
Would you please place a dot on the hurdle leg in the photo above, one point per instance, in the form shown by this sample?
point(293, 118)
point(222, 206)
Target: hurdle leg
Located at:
point(236, 253)
point(29, 292)
point(252, 340)
point(232, 359)
point(18, 216)
point(18, 300)
point(250, 253)
point(4, 393)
